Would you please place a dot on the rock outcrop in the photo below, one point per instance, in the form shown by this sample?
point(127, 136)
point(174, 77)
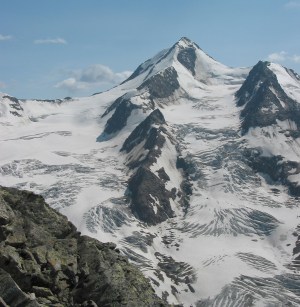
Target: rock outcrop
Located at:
point(264, 101)
point(269, 113)
point(122, 110)
point(44, 261)
point(150, 199)
point(278, 170)
point(187, 56)
point(143, 132)
point(163, 84)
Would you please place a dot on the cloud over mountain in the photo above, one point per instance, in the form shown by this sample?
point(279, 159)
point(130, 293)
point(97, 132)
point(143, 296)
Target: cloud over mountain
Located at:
point(277, 56)
point(283, 56)
point(94, 75)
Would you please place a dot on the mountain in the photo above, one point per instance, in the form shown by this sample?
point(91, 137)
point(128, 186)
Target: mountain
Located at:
point(270, 99)
point(189, 166)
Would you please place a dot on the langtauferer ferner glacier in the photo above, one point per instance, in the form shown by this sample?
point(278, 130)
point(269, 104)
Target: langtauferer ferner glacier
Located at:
point(191, 167)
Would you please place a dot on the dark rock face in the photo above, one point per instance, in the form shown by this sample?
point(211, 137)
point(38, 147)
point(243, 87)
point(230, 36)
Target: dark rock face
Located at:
point(296, 250)
point(180, 272)
point(114, 105)
point(187, 57)
point(186, 185)
point(45, 262)
point(276, 168)
point(118, 120)
point(141, 132)
point(264, 100)
point(163, 175)
point(15, 105)
point(149, 197)
point(163, 84)
point(152, 149)
point(150, 200)
point(265, 103)
point(11, 294)
point(259, 74)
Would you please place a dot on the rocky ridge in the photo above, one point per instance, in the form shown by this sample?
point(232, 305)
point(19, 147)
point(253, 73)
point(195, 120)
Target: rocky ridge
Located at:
point(44, 261)
point(269, 111)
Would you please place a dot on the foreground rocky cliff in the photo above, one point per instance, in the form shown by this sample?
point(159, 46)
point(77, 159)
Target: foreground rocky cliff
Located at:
point(44, 261)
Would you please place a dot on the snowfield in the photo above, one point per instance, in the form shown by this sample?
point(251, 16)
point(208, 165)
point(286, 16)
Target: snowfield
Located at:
point(233, 245)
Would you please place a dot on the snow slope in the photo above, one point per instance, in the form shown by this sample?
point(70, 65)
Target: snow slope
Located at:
point(233, 244)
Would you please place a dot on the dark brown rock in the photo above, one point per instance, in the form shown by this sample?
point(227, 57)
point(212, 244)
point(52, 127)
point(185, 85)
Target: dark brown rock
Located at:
point(150, 199)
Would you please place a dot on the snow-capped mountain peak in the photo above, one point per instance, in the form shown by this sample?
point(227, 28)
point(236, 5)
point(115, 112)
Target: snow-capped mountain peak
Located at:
point(187, 58)
point(288, 79)
point(191, 167)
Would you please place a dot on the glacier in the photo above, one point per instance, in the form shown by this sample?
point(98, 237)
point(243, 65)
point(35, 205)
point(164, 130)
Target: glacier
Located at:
point(224, 157)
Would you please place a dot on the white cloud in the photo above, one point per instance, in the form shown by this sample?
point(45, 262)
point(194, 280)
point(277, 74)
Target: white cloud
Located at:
point(283, 56)
point(296, 58)
point(71, 85)
point(5, 37)
point(96, 75)
point(51, 41)
point(292, 4)
point(100, 73)
point(277, 56)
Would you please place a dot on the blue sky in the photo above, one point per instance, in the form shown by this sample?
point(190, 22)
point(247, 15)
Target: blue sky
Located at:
point(58, 48)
